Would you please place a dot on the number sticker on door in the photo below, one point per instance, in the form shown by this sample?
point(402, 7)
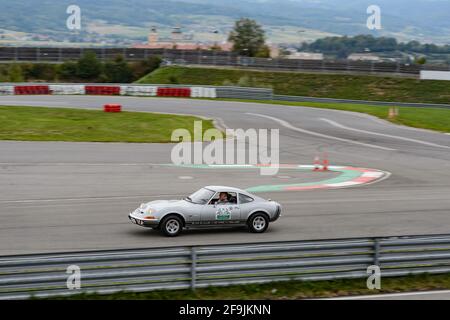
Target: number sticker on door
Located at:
point(223, 213)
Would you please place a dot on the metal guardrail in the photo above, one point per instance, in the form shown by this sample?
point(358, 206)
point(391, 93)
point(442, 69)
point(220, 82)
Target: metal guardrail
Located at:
point(139, 270)
point(230, 92)
point(210, 58)
point(225, 92)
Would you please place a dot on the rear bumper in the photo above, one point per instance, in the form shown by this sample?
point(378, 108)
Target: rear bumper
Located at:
point(143, 223)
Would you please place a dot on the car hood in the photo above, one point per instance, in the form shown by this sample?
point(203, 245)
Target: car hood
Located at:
point(161, 204)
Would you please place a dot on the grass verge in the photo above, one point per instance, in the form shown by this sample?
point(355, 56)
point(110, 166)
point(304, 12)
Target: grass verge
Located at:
point(426, 118)
point(357, 87)
point(286, 290)
point(78, 125)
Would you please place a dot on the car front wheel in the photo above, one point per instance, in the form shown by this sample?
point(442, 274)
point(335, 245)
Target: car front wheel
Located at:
point(171, 226)
point(258, 223)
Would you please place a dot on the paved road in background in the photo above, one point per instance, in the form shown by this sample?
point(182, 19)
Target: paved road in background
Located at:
point(58, 196)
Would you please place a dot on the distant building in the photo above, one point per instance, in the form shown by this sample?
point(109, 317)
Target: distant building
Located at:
point(178, 40)
point(363, 57)
point(305, 56)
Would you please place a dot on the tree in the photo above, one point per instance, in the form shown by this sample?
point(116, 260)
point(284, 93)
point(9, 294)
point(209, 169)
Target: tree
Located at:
point(421, 60)
point(15, 73)
point(68, 70)
point(88, 66)
point(143, 67)
point(248, 37)
point(40, 71)
point(263, 52)
point(118, 71)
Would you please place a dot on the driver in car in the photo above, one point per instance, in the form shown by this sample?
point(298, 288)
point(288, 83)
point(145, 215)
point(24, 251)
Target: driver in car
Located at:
point(223, 198)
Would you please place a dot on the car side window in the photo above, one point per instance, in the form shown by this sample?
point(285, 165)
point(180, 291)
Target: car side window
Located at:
point(244, 199)
point(214, 199)
point(231, 198)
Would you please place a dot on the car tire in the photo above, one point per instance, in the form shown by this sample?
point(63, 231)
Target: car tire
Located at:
point(171, 226)
point(258, 223)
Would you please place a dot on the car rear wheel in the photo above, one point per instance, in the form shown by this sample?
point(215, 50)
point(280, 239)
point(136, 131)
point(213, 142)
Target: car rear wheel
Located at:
point(258, 223)
point(171, 226)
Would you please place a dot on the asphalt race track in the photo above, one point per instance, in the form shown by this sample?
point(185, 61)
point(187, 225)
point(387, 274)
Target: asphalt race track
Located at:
point(57, 196)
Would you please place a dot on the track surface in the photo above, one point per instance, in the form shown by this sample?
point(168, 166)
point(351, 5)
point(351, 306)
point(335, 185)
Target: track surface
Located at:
point(58, 196)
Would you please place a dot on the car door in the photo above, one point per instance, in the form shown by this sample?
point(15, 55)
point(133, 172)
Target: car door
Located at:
point(247, 205)
point(228, 213)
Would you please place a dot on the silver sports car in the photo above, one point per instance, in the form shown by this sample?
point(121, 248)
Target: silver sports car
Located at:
point(211, 206)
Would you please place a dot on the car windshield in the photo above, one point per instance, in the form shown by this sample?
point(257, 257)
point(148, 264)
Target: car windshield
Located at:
point(202, 196)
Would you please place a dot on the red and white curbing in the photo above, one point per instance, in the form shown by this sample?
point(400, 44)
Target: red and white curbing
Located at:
point(99, 89)
point(364, 177)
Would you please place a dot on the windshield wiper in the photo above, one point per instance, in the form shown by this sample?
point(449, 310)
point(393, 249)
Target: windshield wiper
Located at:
point(188, 199)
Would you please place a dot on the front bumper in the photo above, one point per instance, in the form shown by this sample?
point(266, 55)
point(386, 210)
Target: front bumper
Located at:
point(143, 223)
point(277, 214)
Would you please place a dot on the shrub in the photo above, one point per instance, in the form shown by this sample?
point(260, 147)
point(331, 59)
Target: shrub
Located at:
point(40, 71)
point(228, 83)
point(118, 71)
point(89, 67)
point(173, 80)
point(68, 70)
point(245, 81)
point(15, 73)
point(144, 67)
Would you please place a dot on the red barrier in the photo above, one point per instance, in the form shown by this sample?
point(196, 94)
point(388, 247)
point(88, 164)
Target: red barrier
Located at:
point(174, 92)
point(112, 108)
point(103, 90)
point(19, 90)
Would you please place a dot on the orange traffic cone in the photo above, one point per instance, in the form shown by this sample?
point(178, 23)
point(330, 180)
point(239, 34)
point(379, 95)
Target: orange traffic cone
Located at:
point(326, 163)
point(317, 163)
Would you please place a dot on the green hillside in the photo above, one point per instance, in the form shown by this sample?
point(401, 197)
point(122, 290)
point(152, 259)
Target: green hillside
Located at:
point(357, 87)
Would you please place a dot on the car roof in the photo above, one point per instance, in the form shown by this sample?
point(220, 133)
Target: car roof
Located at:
point(225, 189)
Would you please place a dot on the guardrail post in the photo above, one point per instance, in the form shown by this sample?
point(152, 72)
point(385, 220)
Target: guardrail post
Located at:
point(376, 252)
point(193, 268)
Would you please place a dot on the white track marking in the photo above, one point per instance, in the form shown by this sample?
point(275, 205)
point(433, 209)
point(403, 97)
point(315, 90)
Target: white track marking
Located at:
point(185, 177)
point(372, 174)
point(391, 295)
point(343, 184)
point(334, 123)
point(289, 126)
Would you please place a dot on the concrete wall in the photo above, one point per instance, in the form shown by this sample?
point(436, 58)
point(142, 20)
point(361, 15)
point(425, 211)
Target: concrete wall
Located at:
point(434, 75)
